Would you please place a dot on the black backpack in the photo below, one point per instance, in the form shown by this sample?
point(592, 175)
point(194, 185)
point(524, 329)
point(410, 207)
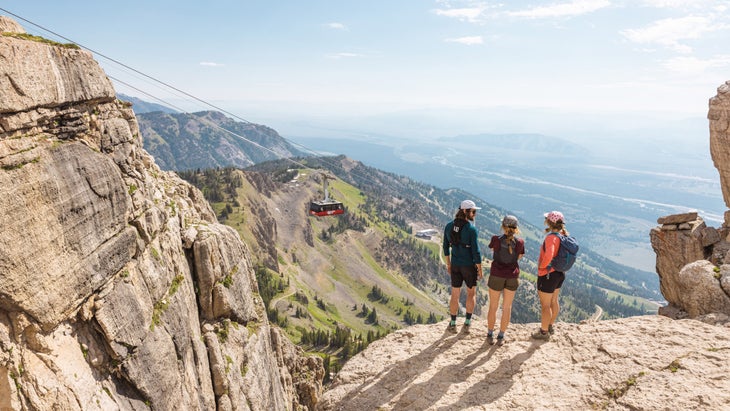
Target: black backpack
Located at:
point(456, 229)
point(502, 254)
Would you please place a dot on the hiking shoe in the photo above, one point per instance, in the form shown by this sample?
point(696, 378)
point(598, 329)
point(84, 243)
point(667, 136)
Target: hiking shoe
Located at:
point(538, 335)
point(500, 341)
point(467, 325)
point(551, 329)
point(451, 327)
point(490, 339)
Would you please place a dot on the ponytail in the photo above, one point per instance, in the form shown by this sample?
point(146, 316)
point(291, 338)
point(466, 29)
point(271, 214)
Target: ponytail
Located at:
point(509, 234)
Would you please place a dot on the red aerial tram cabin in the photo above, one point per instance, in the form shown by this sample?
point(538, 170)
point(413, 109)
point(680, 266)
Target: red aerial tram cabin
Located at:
point(326, 206)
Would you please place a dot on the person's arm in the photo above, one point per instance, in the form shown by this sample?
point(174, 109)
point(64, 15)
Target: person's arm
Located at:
point(493, 243)
point(446, 246)
point(476, 255)
point(550, 247)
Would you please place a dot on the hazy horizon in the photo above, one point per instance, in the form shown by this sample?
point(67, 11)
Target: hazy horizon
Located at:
point(317, 64)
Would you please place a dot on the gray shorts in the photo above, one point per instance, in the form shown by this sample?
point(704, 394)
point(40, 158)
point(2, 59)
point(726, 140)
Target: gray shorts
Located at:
point(498, 283)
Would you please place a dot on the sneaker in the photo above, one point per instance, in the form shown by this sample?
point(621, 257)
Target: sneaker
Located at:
point(451, 327)
point(490, 339)
point(467, 324)
point(500, 340)
point(551, 329)
point(538, 335)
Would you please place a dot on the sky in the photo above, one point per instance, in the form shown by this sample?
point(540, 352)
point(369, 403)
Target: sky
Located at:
point(403, 63)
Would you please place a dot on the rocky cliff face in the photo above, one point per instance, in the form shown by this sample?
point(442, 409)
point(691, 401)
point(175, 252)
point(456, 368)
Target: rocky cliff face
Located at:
point(692, 259)
point(118, 288)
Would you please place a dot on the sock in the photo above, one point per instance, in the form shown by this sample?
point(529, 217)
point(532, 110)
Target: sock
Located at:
point(490, 333)
point(501, 334)
point(453, 318)
point(468, 316)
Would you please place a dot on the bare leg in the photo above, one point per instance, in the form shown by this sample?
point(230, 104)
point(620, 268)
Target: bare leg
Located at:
point(454, 302)
point(493, 305)
point(471, 299)
point(554, 307)
point(546, 310)
point(509, 296)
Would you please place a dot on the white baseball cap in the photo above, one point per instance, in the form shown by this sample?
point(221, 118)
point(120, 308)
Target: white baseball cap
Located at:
point(468, 204)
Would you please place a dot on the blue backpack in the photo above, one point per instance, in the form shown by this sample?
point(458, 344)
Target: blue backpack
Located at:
point(566, 253)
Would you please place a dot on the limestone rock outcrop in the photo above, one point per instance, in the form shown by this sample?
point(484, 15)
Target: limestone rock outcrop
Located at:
point(637, 363)
point(118, 288)
point(719, 116)
point(693, 263)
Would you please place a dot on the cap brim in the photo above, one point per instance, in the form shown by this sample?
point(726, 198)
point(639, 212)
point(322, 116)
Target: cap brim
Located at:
point(477, 208)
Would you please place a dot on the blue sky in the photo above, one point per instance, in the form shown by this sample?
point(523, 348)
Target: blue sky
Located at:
point(310, 61)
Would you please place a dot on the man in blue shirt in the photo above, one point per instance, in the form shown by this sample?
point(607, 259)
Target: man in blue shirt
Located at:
point(463, 260)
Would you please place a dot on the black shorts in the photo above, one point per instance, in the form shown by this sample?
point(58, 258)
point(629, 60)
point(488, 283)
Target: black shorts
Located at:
point(499, 283)
point(550, 282)
point(463, 273)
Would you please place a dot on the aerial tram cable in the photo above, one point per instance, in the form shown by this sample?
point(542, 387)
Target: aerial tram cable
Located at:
point(315, 205)
point(322, 157)
point(210, 123)
point(320, 208)
point(128, 67)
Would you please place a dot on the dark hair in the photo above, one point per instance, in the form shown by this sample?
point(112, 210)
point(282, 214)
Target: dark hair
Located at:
point(461, 214)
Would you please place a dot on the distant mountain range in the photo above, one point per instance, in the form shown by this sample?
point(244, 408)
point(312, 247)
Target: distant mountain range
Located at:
point(209, 139)
point(205, 139)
